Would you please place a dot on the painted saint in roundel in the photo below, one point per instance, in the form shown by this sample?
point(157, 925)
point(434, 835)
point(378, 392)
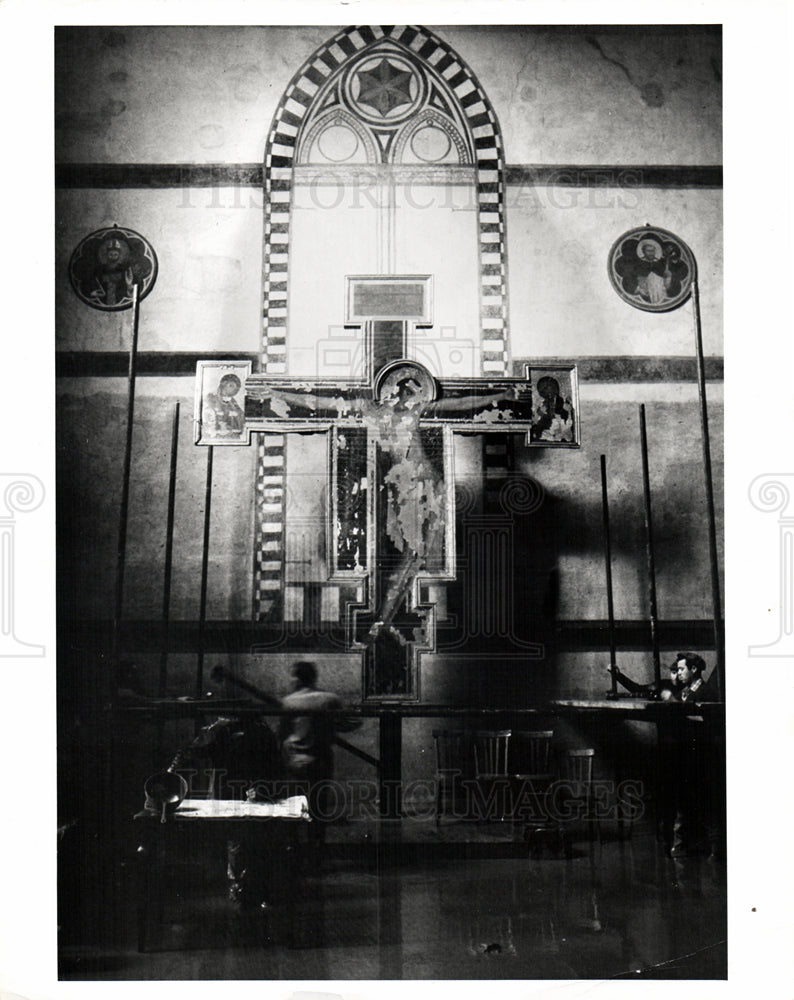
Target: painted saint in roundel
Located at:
point(651, 269)
point(106, 266)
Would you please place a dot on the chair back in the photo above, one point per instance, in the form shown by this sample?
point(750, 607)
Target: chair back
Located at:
point(535, 752)
point(579, 767)
point(491, 753)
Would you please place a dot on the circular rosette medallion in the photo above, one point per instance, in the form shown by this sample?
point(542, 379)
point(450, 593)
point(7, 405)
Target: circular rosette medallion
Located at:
point(384, 89)
point(651, 269)
point(106, 266)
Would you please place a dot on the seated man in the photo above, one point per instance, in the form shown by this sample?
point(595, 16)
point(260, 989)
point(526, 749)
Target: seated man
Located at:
point(688, 681)
point(699, 758)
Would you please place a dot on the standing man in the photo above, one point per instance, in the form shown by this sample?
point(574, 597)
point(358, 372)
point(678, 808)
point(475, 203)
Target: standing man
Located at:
point(307, 740)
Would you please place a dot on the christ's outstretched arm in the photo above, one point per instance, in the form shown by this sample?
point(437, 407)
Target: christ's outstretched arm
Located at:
point(288, 398)
point(458, 404)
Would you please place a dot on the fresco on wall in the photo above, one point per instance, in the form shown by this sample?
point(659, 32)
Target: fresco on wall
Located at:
point(107, 264)
point(651, 269)
point(220, 404)
point(555, 406)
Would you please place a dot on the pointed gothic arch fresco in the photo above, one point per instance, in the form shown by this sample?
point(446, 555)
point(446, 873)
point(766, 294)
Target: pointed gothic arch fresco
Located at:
point(378, 88)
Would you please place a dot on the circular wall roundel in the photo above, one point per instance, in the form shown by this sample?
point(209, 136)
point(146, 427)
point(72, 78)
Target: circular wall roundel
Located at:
point(384, 88)
point(107, 264)
point(651, 269)
point(430, 143)
point(338, 143)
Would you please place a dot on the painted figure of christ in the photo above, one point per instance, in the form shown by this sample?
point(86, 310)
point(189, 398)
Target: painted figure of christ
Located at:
point(412, 481)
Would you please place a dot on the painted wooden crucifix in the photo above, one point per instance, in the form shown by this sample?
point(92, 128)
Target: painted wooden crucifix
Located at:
point(390, 519)
point(392, 493)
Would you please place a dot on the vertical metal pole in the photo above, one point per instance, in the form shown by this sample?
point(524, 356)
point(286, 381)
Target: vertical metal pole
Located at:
point(650, 548)
point(110, 817)
point(169, 548)
point(716, 602)
point(121, 550)
point(608, 562)
point(199, 690)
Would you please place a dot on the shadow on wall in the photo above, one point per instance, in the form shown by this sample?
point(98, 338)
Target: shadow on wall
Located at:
point(496, 643)
point(520, 572)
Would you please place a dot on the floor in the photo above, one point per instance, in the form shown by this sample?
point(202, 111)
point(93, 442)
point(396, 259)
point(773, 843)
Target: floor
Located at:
point(410, 901)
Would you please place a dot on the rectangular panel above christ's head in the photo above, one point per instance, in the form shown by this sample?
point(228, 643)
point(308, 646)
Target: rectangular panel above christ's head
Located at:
point(390, 297)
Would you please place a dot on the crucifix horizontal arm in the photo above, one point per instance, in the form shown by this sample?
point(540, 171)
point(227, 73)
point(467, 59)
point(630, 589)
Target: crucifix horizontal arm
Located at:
point(281, 404)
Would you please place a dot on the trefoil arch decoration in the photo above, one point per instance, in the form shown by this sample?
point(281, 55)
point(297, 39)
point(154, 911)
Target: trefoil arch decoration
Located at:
point(432, 152)
point(352, 140)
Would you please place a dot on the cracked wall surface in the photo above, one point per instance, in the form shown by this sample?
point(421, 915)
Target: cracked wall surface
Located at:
point(564, 94)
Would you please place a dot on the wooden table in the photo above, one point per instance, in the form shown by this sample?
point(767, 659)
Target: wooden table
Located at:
point(281, 823)
point(391, 715)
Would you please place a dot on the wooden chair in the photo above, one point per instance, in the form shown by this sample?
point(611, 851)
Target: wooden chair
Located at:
point(532, 754)
point(491, 760)
point(452, 749)
point(579, 768)
point(532, 776)
point(578, 776)
point(491, 753)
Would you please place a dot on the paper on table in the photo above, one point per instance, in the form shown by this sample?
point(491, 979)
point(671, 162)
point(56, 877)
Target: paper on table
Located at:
point(295, 807)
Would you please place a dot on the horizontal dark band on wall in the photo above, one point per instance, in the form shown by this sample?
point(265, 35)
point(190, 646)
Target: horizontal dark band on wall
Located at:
point(674, 635)
point(158, 175)
point(209, 175)
point(246, 637)
point(652, 176)
point(114, 364)
point(627, 368)
point(76, 364)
